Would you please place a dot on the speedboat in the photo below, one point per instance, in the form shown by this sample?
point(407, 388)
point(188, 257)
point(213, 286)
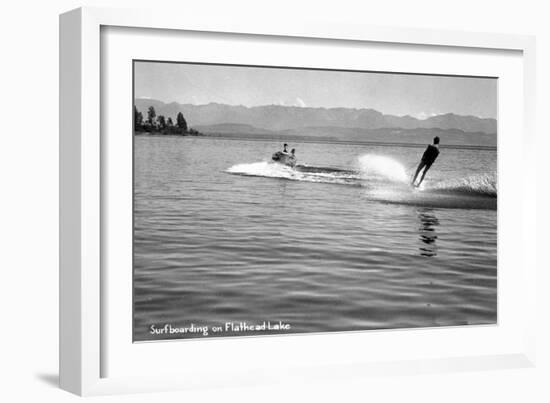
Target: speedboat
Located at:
point(284, 158)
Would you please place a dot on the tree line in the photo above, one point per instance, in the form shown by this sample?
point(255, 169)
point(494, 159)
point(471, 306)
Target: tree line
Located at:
point(159, 124)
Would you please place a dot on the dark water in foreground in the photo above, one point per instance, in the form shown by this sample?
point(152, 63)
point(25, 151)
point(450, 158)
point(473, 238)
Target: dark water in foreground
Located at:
point(223, 237)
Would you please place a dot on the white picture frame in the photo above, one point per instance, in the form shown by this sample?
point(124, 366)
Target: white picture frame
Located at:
point(83, 306)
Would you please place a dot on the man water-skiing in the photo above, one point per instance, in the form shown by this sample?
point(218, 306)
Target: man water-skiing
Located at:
point(428, 158)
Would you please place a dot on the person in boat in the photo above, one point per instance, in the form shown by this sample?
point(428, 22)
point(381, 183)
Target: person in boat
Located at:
point(428, 158)
point(292, 152)
point(285, 151)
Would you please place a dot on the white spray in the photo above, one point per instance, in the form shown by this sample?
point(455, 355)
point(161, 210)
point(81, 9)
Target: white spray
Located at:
point(381, 167)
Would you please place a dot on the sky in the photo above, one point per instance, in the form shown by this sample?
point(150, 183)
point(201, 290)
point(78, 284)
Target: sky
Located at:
point(420, 96)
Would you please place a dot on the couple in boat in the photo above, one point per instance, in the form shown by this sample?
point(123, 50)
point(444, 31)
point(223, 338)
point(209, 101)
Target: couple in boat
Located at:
point(284, 157)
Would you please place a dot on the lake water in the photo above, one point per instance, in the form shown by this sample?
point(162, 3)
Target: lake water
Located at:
point(342, 242)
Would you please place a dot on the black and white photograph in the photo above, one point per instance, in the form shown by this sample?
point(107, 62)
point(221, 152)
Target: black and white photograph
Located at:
point(272, 200)
point(246, 201)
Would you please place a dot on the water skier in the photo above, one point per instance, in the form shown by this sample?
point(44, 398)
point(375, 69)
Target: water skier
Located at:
point(428, 158)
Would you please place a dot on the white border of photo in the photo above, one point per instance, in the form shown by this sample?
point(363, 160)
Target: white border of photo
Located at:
point(97, 353)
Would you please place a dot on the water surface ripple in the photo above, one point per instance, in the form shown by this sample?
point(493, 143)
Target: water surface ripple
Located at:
point(213, 246)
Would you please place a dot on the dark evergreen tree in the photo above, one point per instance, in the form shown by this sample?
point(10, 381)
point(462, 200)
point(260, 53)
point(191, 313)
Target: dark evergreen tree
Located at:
point(138, 120)
point(181, 123)
point(151, 115)
point(161, 122)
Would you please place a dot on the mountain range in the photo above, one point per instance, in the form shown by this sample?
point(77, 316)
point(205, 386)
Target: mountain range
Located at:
point(266, 119)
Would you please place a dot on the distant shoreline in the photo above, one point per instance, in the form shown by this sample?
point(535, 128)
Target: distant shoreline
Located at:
point(316, 140)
